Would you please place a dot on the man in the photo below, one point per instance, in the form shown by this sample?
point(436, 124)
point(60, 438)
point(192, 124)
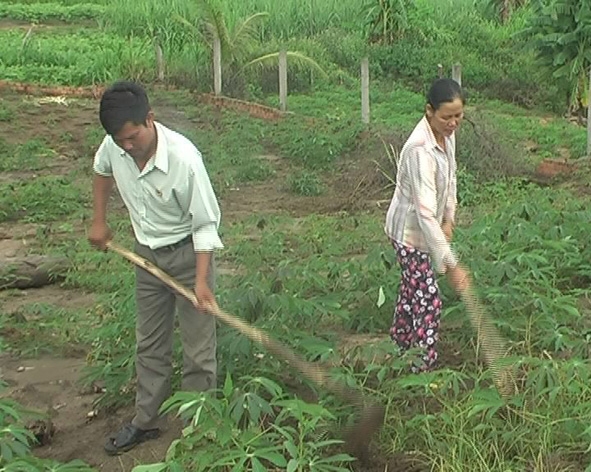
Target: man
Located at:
point(175, 217)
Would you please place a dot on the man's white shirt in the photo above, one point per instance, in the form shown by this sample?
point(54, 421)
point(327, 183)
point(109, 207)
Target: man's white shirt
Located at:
point(171, 197)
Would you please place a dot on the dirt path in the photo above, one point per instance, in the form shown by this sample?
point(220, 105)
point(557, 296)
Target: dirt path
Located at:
point(50, 385)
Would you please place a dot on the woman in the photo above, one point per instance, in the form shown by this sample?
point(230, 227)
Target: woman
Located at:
point(420, 221)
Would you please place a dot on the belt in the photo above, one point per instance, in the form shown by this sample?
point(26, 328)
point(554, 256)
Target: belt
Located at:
point(171, 247)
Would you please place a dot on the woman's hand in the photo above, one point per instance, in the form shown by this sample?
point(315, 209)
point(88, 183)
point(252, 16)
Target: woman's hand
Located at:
point(458, 278)
point(448, 229)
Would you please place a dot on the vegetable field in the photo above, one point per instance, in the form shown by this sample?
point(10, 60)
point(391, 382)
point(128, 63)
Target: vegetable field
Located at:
point(303, 197)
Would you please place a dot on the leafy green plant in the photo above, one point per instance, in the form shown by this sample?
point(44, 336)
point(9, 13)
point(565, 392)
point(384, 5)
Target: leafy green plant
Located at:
point(15, 439)
point(305, 183)
point(112, 362)
point(37, 12)
point(386, 20)
point(32, 464)
point(560, 34)
point(243, 430)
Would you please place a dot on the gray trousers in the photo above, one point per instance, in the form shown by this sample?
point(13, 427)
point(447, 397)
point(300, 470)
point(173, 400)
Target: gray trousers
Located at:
point(156, 305)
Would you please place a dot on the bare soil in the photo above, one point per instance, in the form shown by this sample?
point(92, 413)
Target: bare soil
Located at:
point(50, 386)
point(50, 294)
point(10, 24)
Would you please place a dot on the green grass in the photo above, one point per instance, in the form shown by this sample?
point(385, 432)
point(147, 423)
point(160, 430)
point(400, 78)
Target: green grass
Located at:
point(54, 2)
point(549, 139)
point(397, 111)
point(6, 112)
point(69, 330)
point(74, 58)
point(495, 63)
point(42, 199)
point(305, 183)
point(32, 155)
point(37, 12)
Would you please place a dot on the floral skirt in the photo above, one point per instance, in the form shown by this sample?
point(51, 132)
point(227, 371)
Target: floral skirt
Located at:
point(418, 308)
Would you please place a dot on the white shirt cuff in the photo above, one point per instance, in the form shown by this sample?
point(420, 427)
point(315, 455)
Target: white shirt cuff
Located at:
point(206, 239)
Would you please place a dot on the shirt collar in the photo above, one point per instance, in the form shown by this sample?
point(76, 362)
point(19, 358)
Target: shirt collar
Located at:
point(160, 159)
point(429, 136)
point(161, 156)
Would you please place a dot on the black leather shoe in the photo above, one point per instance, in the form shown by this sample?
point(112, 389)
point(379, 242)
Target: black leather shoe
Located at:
point(128, 437)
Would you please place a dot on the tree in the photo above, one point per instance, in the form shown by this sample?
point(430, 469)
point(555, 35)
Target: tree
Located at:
point(560, 31)
point(233, 48)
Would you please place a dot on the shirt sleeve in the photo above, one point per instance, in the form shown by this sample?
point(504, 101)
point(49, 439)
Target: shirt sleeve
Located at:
point(204, 208)
point(452, 198)
point(424, 196)
point(102, 158)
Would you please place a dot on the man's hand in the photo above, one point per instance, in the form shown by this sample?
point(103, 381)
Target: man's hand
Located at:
point(99, 235)
point(458, 278)
point(448, 229)
point(205, 297)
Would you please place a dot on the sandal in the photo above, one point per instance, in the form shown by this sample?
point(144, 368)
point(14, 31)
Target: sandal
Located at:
point(128, 437)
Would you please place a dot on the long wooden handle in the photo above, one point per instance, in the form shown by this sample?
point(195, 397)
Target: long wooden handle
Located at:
point(493, 344)
point(312, 371)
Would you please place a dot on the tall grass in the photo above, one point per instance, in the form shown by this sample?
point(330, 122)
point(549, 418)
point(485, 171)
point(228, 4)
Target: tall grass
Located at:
point(80, 58)
point(152, 18)
point(333, 33)
point(303, 18)
point(288, 19)
point(61, 2)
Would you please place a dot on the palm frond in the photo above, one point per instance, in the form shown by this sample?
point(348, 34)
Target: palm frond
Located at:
point(194, 28)
point(213, 17)
point(248, 27)
point(296, 60)
point(243, 37)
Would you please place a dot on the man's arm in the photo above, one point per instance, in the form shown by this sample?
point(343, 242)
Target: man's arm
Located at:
point(206, 215)
point(99, 233)
point(101, 190)
point(202, 290)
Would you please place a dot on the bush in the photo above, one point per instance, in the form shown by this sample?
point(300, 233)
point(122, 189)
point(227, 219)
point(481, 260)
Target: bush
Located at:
point(484, 152)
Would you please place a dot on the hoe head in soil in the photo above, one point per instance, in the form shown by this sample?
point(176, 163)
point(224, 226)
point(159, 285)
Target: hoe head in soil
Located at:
point(359, 436)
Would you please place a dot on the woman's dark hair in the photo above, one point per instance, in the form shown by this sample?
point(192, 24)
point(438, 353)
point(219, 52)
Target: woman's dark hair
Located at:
point(123, 102)
point(444, 91)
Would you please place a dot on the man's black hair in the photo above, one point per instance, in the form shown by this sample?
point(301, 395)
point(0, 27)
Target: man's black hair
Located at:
point(123, 102)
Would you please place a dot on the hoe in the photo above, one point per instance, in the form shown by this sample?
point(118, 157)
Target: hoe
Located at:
point(357, 437)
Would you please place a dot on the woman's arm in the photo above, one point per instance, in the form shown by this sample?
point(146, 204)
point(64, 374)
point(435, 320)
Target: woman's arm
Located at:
point(424, 194)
